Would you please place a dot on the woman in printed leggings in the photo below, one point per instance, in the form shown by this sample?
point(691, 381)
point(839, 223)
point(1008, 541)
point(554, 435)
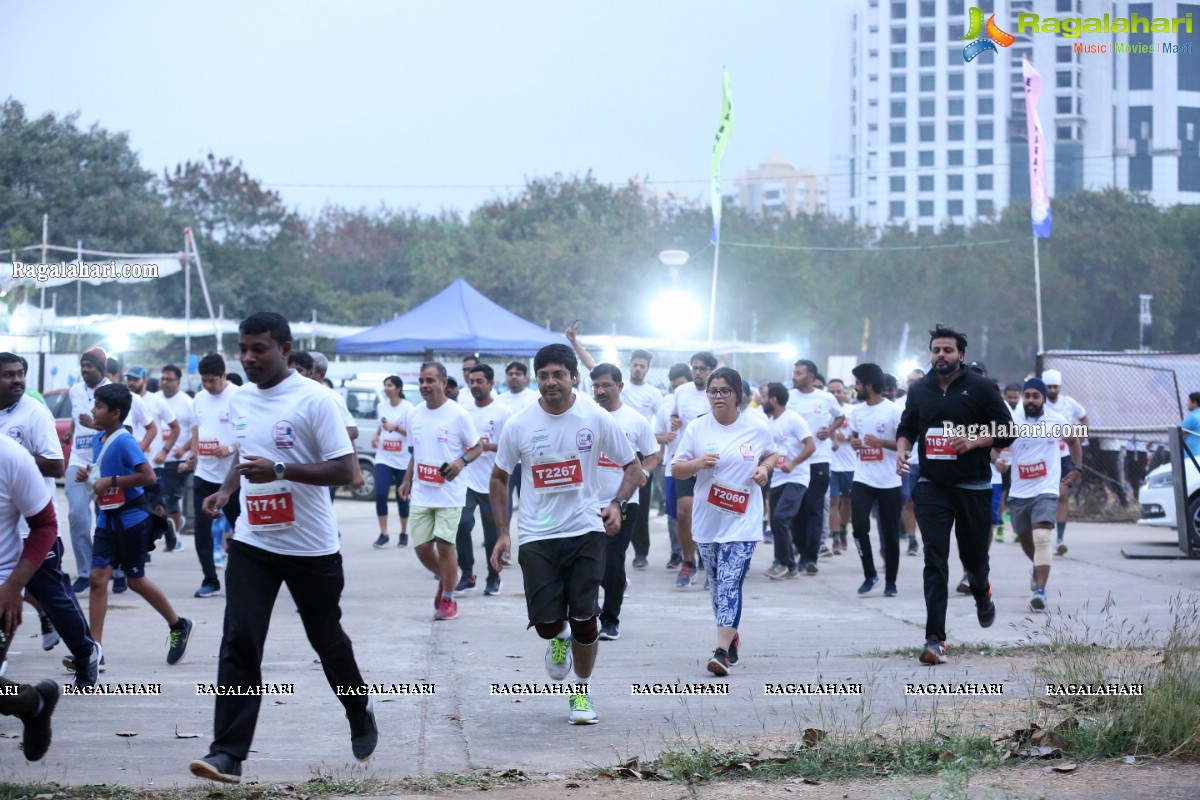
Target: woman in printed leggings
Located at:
point(731, 455)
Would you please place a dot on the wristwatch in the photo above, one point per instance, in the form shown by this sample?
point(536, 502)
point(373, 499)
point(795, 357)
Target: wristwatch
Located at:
point(279, 468)
point(621, 505)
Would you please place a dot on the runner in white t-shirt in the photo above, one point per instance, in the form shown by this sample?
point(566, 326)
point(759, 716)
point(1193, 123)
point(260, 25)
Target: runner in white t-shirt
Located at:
point(391, 457)
point(688, 403)
point(489, 417)
point(1076, 414)
point(443, 441)
point(823, 414)
point(518, 398)
point(173, 472)
point(794, 444)
point(731, 456)
point(82, 395)
point(213, 454)
point(841, 471)
point(1036, 477)
point(873, 432)
point(292, 445)
point(666, 433)
point(607, 388)
point(557, 444)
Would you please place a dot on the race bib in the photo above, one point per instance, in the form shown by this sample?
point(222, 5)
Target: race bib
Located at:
point(938, 447)
point(166, 434)
point(780, 461)
point(83, 442)
point(1031, 471)
point(876, 453)
point(393, 445)
point(111, 499)
point(557, 474)
point(269, 506)
point(430, 474)
point(607, 463)
point(1062, 448)
point(207, 448)
point(729, 499)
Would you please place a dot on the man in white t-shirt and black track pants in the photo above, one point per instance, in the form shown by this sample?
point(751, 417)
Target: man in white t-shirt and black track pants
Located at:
point(666, 433)
point(823, 414)
point(558, 442)
point(291, 446)
point(872, 431)
point(608, 389)
point(689, 401)
point(29, 423)
point(443, 442)
point(213, 454)
point(488, 417)
point(173, 470)
point(955, 489)
point(1036, 478)
point(794, 445)
point(645, 399)
point(82, 395)
point(841, 471)
point(1075, 414)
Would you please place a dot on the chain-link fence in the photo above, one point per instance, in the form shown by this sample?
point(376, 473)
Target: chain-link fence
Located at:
point(1132, 401)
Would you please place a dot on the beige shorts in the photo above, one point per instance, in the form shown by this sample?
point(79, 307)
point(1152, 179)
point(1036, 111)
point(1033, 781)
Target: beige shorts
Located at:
point(427, 524)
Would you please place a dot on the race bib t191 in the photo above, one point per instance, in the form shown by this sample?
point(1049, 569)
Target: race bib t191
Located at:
point(429, 473)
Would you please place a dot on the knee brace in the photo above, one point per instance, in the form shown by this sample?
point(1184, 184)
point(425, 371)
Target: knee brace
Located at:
point(1042, 539)
point(585, 631)
point(550, 630)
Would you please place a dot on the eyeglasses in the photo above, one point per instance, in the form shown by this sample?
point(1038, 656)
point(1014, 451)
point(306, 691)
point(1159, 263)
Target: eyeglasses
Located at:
point(557, 375)
point(701, 368)
point(720, 391)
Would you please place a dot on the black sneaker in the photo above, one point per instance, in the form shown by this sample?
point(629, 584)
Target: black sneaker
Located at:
point(610, 633)
point(465, 585)
point(218, 767)
point(640, 562)
point(964, 586)
point(675, 562)
point(381, 541)
point(890, 589)
point(80, 585)
point(120, 585)
point(868, 584)
point(934, 652)
point(35, 740)
point(50, 637)
point(986, 611)
point(177, 640)
point(912, 547)
point(719, 663)
point(91, 674)
point(733, 649)
point(493, 587)
point(402, 540)
point(810, 568)
point(364, 734)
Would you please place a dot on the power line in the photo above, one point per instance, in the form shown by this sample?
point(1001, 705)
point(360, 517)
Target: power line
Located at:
point(952, 246)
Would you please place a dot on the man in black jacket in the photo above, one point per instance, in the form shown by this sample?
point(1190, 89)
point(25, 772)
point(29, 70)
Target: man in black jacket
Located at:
point(955, 487)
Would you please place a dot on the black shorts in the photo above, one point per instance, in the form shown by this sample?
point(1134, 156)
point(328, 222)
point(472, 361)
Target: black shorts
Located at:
point(562, 577)
point(685, 487)
point(125, 550)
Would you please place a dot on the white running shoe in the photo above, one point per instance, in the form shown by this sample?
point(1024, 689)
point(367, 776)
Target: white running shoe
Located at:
point(582, 710)
point(558, 657)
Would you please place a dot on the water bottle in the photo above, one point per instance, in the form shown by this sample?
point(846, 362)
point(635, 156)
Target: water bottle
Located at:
point(219, 527)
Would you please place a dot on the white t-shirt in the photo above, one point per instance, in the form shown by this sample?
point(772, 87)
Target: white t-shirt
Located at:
point(296, 421)
point(163, 415)
point(30, 424)
point(644, 399)
point(438, 436)
point(1036, 463)
point(559, 456)
point(1068, 407)
point(876, 466)
point(516, 403)
point(141, 414)
point(844, 458)
point(728, 505)
point(214, 428)
point(662, 424)
point(689, 403)
point(83, 399)
point(183, 408)
point(641, 438)
point(788, 432)
point(392, 450)
point(489, 423)
point(23, 493)
point(819, 409)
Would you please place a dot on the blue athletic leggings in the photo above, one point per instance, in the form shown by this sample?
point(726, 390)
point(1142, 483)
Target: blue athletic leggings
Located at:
point(727, 563)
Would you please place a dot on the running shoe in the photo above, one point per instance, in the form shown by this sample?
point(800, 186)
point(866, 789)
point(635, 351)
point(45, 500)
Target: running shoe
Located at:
point(934, 652)
point(492, 588)
point(868, 584)
point(825, 552)
point(447, 609)
point(810, 568)
point(964, 586)
point(206, 591)
point(912, 547)
point(364, 734)
point(50, 636)
point(96, 658)
point(177, 640)
point(719, 663)
point(120, 585)
point(986, 611)
point(558, 657)
point(220, 767)
point(35, 740)
point(582, 710)
point(80, 584)
point(640, 562)
point(1061, 550)
point(402, 540)
point(610, 633)
point(890, 589)
point(381, 541)
point(465, 585)
point(674, 561)
point(776, 572)
point(733, 648)
point(1038, 601)
point(1000, 533)
point(687, 574)
point(794, 572)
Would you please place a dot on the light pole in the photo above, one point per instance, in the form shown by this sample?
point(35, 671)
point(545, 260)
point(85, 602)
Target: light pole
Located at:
point(667, 307)
point(1144, 319)
point(673, 260)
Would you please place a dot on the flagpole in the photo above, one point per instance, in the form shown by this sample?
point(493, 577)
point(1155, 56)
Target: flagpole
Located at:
point(712, 302)
point(1037, 288)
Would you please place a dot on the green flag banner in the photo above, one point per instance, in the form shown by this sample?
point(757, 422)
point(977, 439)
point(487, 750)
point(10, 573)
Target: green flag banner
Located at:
point(722, 141)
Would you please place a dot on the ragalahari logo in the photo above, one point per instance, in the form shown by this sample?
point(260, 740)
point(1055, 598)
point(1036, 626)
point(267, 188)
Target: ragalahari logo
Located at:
point(982, 38)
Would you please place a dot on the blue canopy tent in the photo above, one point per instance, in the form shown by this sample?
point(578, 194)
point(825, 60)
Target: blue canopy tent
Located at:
point(457, 319)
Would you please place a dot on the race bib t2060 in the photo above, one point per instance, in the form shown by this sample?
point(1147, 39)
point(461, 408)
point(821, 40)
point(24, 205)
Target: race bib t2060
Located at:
point(729, 499)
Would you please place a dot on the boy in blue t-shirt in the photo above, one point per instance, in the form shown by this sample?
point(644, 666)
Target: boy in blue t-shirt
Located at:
point(123, 524)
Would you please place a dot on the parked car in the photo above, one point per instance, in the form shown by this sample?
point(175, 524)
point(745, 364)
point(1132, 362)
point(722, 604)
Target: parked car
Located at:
point(362, 399)
point(1156, 499)
point(59, 403)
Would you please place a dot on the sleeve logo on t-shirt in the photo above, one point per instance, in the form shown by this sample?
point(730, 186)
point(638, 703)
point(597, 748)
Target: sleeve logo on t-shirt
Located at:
point(284, 433)
point(583, 440)
point(747, 451)
point(16, 435)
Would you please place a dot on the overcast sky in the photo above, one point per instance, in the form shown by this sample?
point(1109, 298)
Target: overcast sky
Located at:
point(369, 103)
